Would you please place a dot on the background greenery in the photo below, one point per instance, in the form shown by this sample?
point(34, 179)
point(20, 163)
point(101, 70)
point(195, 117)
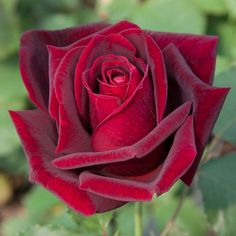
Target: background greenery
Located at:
point(209, 208)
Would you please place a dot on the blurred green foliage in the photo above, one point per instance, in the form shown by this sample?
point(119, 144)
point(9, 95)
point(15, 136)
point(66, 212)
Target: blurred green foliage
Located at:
point(210, 207)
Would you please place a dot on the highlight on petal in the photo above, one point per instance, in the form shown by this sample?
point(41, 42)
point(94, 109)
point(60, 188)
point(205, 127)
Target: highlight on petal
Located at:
point(140, 149)
point(141, 188)
point(34, 57)
point(199, 51)
point(207, 101)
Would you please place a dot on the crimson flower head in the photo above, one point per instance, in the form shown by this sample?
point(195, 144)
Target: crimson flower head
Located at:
point(120, 113)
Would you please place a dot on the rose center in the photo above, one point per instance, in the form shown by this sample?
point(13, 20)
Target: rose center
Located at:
point(120, 80)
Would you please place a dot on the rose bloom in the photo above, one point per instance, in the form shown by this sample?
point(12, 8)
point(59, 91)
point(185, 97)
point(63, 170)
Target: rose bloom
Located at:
point(121, 113)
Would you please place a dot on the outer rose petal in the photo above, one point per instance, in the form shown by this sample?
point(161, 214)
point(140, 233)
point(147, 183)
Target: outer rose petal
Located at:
point(141, 188)
point(37, 133)
point(34, 57)
point(199, 51)
point(157, 66)
point(140, 149)
point(72, 135)
point(207, 101)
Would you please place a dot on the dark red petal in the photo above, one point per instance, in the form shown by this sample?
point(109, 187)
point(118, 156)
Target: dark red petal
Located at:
point(207, 101)
point(137, 37)
point(100, 106)
point(115, 188)
point(132, 121)
point(117, 91)
point(149, 51)
point(140, 149)
point(141, 188)
point(157, 67)
point(72, 135)
point(98, 46)
point(199, 51)
point(38, 136)
point(112, 29)
point(55, 56)
point(34, 57)
point(179, 159)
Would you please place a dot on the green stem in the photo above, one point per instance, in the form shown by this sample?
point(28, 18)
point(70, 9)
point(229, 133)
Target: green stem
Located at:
point(138, 224)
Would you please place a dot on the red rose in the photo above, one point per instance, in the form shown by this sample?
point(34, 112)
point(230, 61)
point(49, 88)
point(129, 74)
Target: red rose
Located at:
point(121, 113)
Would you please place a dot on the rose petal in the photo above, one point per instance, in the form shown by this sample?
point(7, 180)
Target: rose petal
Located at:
point(37, 133)
point(207, 101)
point(72, 135)
point(141, 188)
point(98, 46)
point(117, 91)
point(34, 57)
point(55, 57)
point(112, 29)
point(100, 106)
point(148, 50)
point(139, 149)
point(130, 122)
point(157, 66)
point(137, 37)
point(199, 51)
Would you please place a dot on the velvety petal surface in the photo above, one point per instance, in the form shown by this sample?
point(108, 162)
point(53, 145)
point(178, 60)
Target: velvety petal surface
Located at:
point(38, 136)
point(72, 135)
point(158, 74)
point(142, 188)
point(130, 122)
point(140, 149)
point(199, 51)
point(34, 57)
point(207, 101)
point(149, 51)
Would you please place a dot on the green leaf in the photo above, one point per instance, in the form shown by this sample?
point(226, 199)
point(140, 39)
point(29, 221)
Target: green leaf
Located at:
point(58, 21)
point(12, 97)
point(164, 207)
point(40, 207)
point(214, 7)
point(9, 29)
point(229, 222)
point(170, 15)
point(231, 5)
point(14, 162)
point(96, 223)
point(217, 182)
point(226, 123)
point(47, 230)
point(222, 64)
point(125, 220)
point(227, 34)
point(114, 10)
